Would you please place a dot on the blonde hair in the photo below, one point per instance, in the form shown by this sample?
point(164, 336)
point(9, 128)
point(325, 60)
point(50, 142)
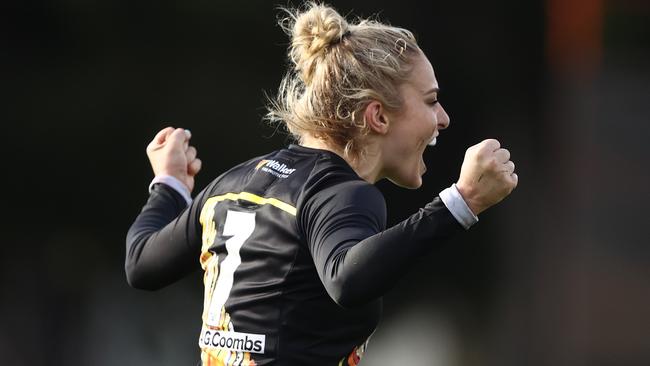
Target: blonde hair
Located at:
point(337, 69)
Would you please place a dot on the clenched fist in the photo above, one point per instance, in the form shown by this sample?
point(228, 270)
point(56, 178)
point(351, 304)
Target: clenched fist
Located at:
point(170, 153)
point(487, 175)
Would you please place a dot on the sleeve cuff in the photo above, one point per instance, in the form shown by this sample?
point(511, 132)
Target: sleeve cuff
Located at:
point(175, 184)
point(458, 207)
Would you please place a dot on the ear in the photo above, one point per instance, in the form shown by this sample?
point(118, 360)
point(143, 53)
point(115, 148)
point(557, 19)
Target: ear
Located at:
point(376, 118)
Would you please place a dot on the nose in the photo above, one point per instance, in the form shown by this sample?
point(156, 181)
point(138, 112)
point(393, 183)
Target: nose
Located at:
point(443, 118)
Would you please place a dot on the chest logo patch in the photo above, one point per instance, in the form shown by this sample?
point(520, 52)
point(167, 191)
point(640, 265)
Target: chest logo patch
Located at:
point(275, 168)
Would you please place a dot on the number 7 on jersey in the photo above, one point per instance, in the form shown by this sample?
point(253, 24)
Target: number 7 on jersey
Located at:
point(239, 226)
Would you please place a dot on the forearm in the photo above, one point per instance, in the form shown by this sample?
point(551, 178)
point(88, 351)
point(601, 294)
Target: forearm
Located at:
point(359, 272)
point(157, 253)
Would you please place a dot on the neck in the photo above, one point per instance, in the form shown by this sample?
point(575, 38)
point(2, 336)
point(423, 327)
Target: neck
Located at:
point(367, 165)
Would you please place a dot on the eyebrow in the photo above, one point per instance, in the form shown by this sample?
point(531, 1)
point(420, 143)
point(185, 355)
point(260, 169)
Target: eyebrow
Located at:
point(432, 90)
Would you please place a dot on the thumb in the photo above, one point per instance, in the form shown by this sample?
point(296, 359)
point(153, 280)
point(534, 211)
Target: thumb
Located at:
point(162, 135)
point(160, 138)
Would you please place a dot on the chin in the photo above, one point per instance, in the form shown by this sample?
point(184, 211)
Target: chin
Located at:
point(412, 183)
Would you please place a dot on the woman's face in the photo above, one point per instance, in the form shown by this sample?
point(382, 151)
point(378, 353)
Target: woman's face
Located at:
point(414, 126)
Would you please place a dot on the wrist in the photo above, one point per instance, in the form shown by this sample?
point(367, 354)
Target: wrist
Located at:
point(179, 174)
point(468, 195)
point(174, 183)
point(458, 207)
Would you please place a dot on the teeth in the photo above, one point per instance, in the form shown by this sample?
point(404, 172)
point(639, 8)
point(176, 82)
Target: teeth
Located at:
point(432, 142)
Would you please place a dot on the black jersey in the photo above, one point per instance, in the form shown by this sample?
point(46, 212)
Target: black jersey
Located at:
point(295, 256)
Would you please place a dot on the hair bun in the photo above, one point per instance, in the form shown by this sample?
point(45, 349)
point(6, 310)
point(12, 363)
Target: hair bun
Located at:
point(313, 31)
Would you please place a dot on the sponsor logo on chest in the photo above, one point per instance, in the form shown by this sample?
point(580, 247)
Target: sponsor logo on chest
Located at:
point(274, 167)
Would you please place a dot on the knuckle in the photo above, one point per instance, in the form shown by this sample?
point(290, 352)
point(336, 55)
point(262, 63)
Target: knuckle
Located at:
point(492, 163)
point(492, 143)
point(478, 150)
point(513, 181)
point(178, 132)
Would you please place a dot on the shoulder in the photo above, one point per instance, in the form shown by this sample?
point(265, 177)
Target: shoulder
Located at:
point(238, 172)
point(331, 176)
point(334, 191)
point(348, 192)
point(230, 180)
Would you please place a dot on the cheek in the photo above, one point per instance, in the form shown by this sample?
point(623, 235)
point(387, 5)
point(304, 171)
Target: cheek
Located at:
point(433, 121)
point(416, 143)
point(415, 135)
point(426, 129)
point(425, 121)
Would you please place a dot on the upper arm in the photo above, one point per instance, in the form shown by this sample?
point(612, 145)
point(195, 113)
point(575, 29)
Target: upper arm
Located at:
point(163, 242)
point(336, 218)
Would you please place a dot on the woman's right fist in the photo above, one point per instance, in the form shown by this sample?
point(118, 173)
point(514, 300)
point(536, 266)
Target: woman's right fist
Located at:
point(170, 153)
point(487, 175)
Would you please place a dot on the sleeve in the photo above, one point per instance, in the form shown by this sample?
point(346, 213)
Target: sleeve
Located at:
point(164, 241)
point(356, 259)
point(174, 183)
point(456, 204)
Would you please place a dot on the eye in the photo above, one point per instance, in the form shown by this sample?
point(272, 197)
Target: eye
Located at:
point(432, 102)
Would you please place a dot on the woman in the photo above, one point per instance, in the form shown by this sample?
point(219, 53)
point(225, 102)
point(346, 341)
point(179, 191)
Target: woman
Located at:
point(293, 244)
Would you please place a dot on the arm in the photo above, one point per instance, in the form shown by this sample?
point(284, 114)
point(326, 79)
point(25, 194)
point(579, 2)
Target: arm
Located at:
point(158, 250)
point(161, 245)
point(355, 259)
point(359, 262)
